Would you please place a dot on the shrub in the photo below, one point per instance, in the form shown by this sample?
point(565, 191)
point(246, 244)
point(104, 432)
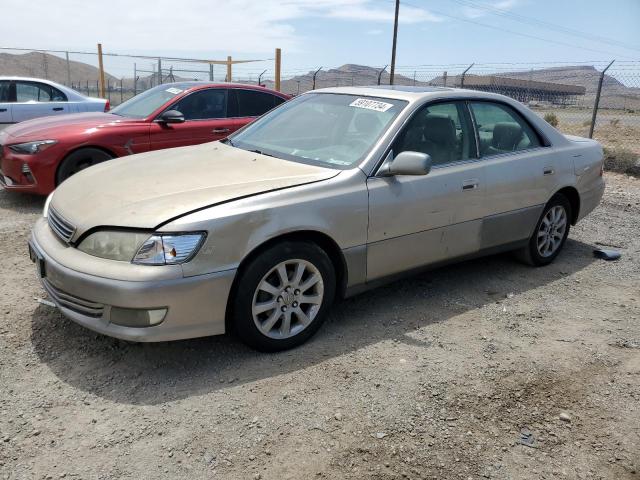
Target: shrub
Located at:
point(551, 119)
point(621, 160)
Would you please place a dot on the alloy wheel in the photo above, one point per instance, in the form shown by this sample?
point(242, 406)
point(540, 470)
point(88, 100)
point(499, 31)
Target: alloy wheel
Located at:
point(551, 231)
point(287, 299)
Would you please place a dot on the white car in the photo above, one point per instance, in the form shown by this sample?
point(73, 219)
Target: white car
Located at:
point(23, 98)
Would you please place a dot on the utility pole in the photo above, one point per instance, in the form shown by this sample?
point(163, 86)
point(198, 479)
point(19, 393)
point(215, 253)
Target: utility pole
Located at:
point(395, 41)
point(101, 67)
point(278, 66)
point(68, 69)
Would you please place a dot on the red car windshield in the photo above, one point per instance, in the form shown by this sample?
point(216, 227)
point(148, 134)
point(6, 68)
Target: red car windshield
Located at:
point(143, 105)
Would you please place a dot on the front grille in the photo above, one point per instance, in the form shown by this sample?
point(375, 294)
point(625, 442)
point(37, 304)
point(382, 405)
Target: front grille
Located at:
point(78, 305)
point(60, 226)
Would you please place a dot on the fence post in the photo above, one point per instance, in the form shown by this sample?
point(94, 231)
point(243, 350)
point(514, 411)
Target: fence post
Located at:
point(260, 78)
point(444, 78)
point(101, 66)
point(229, 71)
point(135, 79)
point(121, 90)
point(211, 72)
point(68, 68)
point(463, 75)
point(414, 78)
point(314, 78)
point(597, 101)
point(278, 65)
point(380, 73)
point(159, 71)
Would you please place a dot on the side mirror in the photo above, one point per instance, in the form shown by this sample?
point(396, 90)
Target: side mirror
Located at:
point(170, 116)
point(407, 163)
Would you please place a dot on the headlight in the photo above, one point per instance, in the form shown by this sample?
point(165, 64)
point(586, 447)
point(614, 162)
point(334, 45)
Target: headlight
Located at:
point(45, 210)
point(158, 249)
point(32, 147)
point(168, 249)
point(113, 245)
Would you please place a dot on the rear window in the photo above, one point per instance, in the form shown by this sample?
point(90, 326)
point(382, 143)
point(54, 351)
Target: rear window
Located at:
point(251, 103)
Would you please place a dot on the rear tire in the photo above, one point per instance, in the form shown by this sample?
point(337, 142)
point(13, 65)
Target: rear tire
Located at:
point(550, 233)
point(79, 160)
point(283, 295)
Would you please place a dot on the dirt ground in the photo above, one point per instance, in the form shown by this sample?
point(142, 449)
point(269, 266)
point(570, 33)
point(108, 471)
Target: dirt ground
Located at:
point(486, 369)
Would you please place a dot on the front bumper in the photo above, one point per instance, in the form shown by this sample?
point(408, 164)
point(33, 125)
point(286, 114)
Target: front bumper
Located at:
point(196, 306)
point(29, 173)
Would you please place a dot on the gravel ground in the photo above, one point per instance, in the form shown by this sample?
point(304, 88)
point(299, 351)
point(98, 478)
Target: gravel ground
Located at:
point(486, 369)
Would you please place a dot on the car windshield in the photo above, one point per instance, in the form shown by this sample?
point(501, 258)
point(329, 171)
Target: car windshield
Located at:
point(327, 129)
point(143, 105)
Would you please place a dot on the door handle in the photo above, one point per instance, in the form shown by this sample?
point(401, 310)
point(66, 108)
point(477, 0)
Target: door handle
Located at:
point(220, 130)
point(3, 109)
point(57, 109)
point(549, 171)
point(470, 184)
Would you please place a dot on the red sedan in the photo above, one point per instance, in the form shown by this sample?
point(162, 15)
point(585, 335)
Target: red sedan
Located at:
point(37, 155)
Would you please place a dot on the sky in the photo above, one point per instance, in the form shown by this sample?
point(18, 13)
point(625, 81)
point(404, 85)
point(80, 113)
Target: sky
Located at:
point(329, 33)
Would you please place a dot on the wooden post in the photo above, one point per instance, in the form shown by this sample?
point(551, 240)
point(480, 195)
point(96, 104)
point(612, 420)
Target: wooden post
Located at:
point(68, 69)
point(211, 72)
point(278, 64)
point(101, 67)
point(229, 68)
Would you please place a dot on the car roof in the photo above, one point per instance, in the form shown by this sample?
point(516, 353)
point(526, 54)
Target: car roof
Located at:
point(67, 90)
point(191, 84)
point(410, 93)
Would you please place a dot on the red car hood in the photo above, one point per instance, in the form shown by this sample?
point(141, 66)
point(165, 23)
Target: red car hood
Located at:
point(46, 128)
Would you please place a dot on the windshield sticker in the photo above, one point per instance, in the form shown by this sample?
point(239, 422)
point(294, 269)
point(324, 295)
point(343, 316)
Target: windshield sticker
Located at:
point(371, 104)
point(174, 90)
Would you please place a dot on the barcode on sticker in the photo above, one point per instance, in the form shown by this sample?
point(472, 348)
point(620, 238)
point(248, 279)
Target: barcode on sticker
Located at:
point(371, 104)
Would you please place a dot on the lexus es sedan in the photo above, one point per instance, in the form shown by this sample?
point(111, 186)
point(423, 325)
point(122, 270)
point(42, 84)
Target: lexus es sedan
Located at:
point(327, 195)
point(24, 98)
point(38, 155)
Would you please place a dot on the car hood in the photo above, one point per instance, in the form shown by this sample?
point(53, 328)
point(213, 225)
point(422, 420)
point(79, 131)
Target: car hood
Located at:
point(146, 190)
point(48, 128)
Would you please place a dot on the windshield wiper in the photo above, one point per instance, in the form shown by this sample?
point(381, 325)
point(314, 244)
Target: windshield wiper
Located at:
point(260, 152)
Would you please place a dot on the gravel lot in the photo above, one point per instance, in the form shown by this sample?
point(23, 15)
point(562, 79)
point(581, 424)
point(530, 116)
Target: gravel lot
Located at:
point(487, 369)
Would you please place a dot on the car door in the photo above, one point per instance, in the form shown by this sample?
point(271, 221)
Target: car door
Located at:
point(245, 105)
point(205, 114)
point(5, 104)
point(520, 172)
point(35, 99)
point(419, 220)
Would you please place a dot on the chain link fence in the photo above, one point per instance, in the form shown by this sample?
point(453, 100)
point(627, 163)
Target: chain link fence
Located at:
point(564, 94)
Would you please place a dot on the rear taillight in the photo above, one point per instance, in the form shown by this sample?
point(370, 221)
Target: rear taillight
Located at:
point(107, 106)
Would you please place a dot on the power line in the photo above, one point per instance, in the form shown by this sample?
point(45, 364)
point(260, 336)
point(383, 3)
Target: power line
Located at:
point(527, 35)
point(549, 25)
point(535, 37)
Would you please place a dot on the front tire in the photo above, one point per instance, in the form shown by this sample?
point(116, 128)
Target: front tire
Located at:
point(79, 160)
point(283, 295)
point(550, 233)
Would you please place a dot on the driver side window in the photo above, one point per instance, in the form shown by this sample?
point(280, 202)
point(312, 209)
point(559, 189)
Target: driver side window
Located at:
point(203, 104)
point(441, 130)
